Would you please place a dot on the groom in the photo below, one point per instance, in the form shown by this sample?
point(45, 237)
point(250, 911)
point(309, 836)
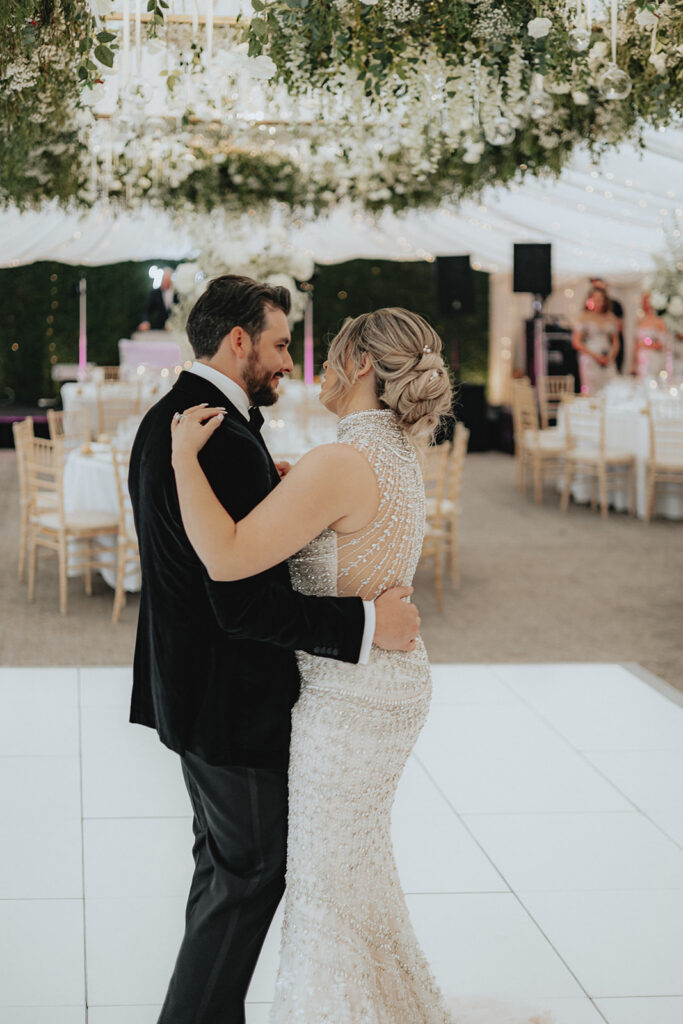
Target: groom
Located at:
point(214, 669)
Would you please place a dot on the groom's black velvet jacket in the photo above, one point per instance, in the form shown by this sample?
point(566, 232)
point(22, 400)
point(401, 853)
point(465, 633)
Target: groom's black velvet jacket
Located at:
point(214, 668)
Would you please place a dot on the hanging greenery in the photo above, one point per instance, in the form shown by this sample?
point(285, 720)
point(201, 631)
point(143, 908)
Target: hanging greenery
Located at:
point(49, 53)
point(484, 90)
point(385, 103)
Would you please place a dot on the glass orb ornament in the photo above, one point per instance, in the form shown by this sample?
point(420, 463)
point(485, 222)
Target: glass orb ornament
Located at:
point(499, 132)
point(539, 103)
point(580, 38)
point(614, 84)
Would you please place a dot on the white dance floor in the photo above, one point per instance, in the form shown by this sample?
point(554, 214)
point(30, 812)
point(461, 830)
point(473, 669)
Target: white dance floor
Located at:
point(538, 831)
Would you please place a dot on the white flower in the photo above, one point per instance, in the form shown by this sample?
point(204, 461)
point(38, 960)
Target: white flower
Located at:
point(473, 151)
point(91, 97)
point(659, 61)
point(558, 88)
point(598, 52)
point(302, 266)
point(261, 68)
point(184, 277)
point(580, 98)
point(676, 306)
point(539, 27)
point(658, 299)
point(646, 19)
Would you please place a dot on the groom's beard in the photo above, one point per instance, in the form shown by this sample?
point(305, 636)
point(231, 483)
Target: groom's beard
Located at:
point(261, 386)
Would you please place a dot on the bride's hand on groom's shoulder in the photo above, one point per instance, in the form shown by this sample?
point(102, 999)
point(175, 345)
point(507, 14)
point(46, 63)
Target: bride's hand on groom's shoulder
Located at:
point(191, 429)
point(397, 622)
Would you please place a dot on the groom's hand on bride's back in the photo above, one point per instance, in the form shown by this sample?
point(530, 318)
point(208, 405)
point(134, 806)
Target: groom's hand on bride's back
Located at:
point(397, 622)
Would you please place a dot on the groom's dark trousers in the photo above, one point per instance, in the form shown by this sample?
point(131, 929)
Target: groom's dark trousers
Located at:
point(216, 676)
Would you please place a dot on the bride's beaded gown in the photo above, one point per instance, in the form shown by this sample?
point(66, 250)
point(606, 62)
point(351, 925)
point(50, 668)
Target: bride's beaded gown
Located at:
point(348, 953)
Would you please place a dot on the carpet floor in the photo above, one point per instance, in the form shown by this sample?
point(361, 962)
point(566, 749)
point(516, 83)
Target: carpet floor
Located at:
point(536, 586)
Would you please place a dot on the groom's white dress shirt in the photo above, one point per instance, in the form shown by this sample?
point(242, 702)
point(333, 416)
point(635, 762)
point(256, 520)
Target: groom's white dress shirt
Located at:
point(238, 396)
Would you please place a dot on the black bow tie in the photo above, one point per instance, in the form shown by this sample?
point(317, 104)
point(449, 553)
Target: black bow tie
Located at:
point(255, 419)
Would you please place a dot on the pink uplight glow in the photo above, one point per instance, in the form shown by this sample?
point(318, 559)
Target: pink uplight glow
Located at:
point(82, 332)
point(308, 342)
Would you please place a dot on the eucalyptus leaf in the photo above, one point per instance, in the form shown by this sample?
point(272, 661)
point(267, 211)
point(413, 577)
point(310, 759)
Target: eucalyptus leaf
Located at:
point(104, 55)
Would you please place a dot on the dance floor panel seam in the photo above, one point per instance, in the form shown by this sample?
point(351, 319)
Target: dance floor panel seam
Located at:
point(533, 861)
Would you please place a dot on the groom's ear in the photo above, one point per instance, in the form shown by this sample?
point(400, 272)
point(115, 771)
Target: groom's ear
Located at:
point(238, 342)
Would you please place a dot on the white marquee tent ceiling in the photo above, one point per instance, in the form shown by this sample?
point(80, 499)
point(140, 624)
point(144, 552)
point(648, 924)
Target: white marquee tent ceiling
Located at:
point(607, 220)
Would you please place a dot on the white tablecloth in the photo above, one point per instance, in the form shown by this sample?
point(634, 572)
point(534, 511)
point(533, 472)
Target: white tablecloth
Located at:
point(90, 483)
point(627, 429)
point(84, 396)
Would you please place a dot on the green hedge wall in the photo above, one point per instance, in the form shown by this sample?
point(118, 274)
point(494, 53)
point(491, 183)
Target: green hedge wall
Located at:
point(39, 315)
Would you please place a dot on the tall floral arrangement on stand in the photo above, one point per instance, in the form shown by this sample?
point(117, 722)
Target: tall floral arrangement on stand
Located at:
point(233, 247)
point(666, 287)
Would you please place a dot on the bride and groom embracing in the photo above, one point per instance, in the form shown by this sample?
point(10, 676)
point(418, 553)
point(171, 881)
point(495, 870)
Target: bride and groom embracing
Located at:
point(291, 760)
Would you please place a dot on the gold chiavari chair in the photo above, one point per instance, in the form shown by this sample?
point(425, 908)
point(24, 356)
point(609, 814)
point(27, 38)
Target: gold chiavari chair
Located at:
point(552, 391)
point(434, 471)
point(542, 451)
point(588, 455)
point(23, 439)
point(117, 401)
point(665, 464)
point(72, 428)
point(54, 529)
point(128, 553)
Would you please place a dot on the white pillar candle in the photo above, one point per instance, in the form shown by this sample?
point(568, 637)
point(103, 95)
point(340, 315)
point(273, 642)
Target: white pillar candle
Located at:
point(138, 37)
point(209, 31)
point(125, 64)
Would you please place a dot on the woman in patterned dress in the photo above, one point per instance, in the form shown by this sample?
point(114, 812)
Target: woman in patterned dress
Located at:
point(350, 518)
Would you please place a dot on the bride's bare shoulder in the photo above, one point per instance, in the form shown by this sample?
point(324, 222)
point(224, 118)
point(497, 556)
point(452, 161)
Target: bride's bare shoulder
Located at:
point(339, 462)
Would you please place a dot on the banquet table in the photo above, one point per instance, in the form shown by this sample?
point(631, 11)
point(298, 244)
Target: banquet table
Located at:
point(627, 429)
point(90, 483)
point(84, 395)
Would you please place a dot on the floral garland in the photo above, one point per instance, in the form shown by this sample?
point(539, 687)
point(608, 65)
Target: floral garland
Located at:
point(487, 85)
point(666, 287)
point(49, 53)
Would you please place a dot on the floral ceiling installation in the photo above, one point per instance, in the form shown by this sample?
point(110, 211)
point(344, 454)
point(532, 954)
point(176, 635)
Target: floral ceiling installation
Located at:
point(386, 103)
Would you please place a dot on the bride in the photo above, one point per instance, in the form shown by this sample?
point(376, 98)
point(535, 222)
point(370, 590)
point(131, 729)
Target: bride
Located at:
point(350, 518)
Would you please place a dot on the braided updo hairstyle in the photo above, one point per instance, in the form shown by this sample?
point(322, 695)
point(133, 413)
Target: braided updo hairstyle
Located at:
point(412, 379)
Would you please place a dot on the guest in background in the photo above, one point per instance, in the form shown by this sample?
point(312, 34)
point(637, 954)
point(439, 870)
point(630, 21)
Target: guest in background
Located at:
point(651, 354)
point(618, 311)
point(596, 339)
point(159, 304)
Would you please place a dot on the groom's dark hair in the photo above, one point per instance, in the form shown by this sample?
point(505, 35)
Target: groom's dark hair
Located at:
point(232, 301)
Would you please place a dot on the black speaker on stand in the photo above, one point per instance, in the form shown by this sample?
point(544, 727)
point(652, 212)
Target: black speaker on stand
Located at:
point(454, 295)
point(532, 272)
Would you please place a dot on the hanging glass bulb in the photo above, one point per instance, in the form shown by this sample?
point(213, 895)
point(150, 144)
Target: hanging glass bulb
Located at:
point(499, 132)
point(614, 84)
point(539, 104)
point(580, 38)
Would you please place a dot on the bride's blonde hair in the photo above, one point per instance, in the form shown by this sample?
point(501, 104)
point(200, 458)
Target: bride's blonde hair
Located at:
point(412, 379)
